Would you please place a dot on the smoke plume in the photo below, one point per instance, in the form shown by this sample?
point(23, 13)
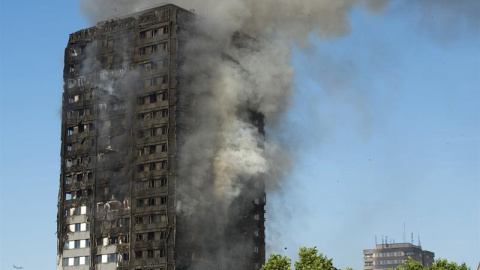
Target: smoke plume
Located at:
point(235, 70)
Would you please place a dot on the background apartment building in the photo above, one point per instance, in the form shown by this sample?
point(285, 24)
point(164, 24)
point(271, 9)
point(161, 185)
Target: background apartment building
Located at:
point(118, 186)
point(387, 256)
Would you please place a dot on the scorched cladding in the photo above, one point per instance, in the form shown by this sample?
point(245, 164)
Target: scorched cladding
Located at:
point(117, 206)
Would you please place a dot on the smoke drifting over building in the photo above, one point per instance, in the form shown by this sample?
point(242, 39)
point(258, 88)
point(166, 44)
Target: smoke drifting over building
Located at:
point(164, 159)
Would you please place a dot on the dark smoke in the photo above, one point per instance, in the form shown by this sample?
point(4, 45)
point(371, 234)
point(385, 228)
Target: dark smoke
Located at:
point(238, 64)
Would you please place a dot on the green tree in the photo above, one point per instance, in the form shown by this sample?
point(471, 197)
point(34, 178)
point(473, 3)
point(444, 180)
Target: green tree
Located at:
point(443, 264)
point(440, 264)
point(310, 259)
point(410, 264)
point(277, 262)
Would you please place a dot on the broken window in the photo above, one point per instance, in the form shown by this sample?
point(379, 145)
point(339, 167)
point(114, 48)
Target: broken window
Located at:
point(164, 147)
point(153, 98)
point(151, 167)
point(164, 96)
point(139, 237)
point(71, 68)
point(138, 255)
point(164, 113)
point(70, 131)
point(125, 257)
point(151, 201)
point(154, 49)
point(72, 52)
point(151, 219)
point(152, 149)
point(164, 79)
point(163, 199)
point(68, 180)
point(164, 46)
point(151, 183)
point(150, 254)
point(69, 163)
point(150, 236)
point(68, 196)
point(163, 165)
point(163, 182)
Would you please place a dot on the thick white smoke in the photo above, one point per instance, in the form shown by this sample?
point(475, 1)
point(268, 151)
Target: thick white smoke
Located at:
point(236, 66)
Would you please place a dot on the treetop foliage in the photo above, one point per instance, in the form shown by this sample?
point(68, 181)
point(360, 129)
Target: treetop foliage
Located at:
point(311, 259)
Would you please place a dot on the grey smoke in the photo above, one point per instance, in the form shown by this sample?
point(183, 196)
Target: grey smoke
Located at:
point(237, 64)
point(241, 65)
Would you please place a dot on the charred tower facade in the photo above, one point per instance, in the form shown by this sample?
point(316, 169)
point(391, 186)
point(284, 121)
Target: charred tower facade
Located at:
point(119, 183)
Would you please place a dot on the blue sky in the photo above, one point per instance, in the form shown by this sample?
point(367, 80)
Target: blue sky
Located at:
point(386, 123)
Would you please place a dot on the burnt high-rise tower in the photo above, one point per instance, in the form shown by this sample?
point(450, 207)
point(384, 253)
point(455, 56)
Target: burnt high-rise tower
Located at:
point(124, 116)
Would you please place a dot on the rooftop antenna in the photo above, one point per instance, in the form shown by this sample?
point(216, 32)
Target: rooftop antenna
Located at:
point(386, 240)
point(412, 237)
